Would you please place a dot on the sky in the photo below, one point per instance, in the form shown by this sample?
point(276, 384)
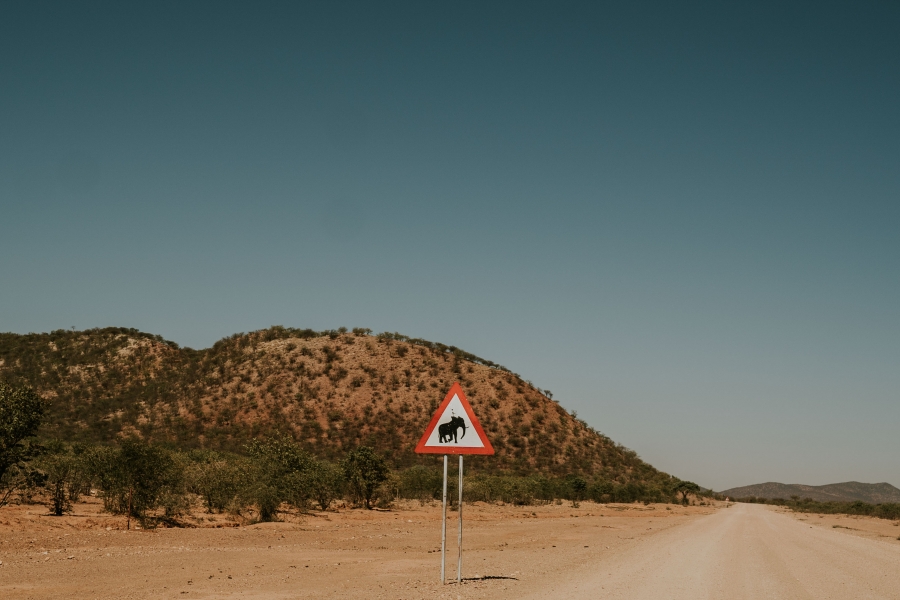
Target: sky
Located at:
point(681, 218)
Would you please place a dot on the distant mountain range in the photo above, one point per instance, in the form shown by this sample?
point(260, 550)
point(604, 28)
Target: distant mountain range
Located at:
point(850, 491)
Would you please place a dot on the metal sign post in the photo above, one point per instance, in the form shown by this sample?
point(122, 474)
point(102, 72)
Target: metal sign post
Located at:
point(459, 537)
point(444, 528)
point(442, 436)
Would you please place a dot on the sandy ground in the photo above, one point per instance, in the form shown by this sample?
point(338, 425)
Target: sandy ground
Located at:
point(349, 553)
point(595, 551)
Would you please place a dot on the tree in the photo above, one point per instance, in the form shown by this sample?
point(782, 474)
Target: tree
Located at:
point(577, 487)
point(134, 478)
point(325, 482)
point(684, 488)
point(280, 475)
point(63, 475)
point(364, 471)
point(21, 411)
point(421, 482)
point(216, 478)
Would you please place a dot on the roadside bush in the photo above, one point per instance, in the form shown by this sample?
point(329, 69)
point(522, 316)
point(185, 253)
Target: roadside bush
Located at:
point(21, 412)
point(508, 489)
point(685, 488)
point(887, 510)
point(388, 491)
point(63, 476)
point(603, 491)
point(217, 478)
point(577, 487)
point(421, 483)
point(279, 473)
point(326, 483)
point(175, 499)
point(364, 472)
point(136, 477)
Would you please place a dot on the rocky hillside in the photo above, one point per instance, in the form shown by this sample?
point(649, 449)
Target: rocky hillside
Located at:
point(331, 390)
point(850, 491)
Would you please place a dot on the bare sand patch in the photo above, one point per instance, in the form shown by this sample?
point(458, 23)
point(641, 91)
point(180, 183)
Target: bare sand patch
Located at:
point(859, 525)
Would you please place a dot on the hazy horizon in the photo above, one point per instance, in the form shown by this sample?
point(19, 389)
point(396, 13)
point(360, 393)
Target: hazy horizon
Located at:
point(682, 220)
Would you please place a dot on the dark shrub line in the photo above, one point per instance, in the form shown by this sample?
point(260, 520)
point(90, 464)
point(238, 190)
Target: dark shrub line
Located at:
point(887, 510)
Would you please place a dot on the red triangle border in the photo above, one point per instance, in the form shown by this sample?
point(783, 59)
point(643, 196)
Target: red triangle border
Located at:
point(455, 390)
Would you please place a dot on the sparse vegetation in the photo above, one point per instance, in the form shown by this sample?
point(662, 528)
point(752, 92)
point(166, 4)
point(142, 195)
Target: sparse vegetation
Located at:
point(136, 477)
point(215, 412)
point(888, 510)
point(112, 382)
point(21, 412)
point(326, 483)
point(155, 484)
point(279, 474)
point(685, 488)
point(216, 478)
point(364, 471)
point(63, 475)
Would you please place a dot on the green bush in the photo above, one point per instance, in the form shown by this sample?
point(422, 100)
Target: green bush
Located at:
point(63, 476)
point(325, 482)
point(216, 477)
point(136, 477)
point(808, 505)
point(421, 483)
point(577, 487)
point(509, 489)
point(889, 510)
point(364, 472)
point(279, 474)
point(21, 412)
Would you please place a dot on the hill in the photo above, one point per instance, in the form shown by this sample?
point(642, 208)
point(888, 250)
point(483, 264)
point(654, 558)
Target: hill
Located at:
point(331, 390)
point(850, 491)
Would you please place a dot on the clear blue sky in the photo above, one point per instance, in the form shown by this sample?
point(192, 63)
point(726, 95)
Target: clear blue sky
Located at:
point(682, 218)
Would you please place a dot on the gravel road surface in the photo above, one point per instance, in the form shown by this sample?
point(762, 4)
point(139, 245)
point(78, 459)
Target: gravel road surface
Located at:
point(746, 551)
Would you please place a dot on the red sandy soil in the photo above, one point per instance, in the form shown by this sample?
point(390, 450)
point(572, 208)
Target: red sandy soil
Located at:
point(508, 551)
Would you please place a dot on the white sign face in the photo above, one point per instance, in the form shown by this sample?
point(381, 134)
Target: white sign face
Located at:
point(454, 429)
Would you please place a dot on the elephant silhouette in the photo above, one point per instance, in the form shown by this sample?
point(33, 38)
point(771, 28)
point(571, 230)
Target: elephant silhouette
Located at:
point(447, 431)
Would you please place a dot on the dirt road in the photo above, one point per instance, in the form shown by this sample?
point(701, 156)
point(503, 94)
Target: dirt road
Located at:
point(746, 551)
point(551, 551)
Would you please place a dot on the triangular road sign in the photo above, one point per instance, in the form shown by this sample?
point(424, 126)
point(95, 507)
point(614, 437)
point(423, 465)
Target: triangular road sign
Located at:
point(454, 428)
